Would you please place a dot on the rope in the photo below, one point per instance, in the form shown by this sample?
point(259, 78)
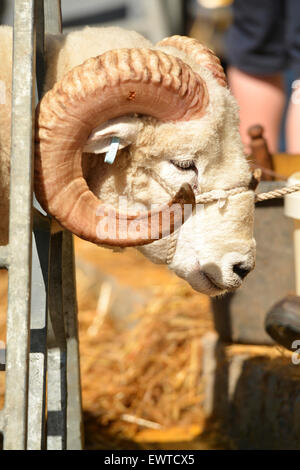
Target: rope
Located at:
point(277, 193)
point(160, 181)
point(220, 195)
point(172, 247)
point(223, 195)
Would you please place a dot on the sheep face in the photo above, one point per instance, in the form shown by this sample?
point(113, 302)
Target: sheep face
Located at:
point(215, 246)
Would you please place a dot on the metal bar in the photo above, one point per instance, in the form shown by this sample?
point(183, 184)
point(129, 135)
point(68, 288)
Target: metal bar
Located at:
point(38, 333)
point(53, 20)
point(4, 256)
point(56, 399)
point(64, 401)
point(18, 315)
point(174, 12)
point(1, 421)
point(26, 421)
point(57, 373)
point(74, 405)
point(2, 359)
point(155, 14)
point(57, 361)
point(40, 47)
point(39, 291)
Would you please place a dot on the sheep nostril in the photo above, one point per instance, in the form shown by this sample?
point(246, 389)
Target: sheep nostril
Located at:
point(241, 271)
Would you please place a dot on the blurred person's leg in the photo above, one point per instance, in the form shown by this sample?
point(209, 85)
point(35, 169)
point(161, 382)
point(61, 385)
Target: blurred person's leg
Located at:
point(261, 100)
point(256, 54)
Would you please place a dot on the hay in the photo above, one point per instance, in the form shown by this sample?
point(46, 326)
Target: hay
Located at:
point(141, 377)
point(147, 376)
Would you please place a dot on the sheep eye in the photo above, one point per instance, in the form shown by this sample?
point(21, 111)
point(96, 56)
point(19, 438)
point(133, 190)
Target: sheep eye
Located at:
point(184, 164)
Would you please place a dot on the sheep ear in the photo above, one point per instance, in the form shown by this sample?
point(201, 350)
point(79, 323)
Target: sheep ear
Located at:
point(124, 128)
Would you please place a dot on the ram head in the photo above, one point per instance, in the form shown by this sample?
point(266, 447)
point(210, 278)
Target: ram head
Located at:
point(177, 130)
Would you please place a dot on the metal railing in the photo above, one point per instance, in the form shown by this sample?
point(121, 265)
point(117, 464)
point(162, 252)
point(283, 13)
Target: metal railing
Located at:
point(42, 333)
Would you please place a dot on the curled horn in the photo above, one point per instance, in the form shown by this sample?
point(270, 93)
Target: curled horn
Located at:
point(200, 54)
point(117, 83)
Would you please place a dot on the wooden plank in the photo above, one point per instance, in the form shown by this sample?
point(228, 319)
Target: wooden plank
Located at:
point(286, 164)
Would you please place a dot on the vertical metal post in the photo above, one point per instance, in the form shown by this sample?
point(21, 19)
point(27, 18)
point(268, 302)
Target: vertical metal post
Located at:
point(41, 272)
point(56, 340)
point(74, 405)
point(155, 11)
point(64, 407)
point(39, 289)
point(18, 316)
point(38, 333)
point(53, 20)
point(57, 362)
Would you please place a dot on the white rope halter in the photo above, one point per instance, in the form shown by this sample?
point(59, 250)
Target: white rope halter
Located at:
point(216, 195)
point(221, 196)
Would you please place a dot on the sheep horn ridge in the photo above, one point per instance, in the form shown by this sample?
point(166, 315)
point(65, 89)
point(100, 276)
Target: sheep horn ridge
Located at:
point(199, 53)
point(114, 84)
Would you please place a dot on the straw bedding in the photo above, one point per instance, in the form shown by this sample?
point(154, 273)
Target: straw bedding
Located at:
point(141, 377)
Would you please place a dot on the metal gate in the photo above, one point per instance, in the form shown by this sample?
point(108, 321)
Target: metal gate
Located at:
point(42, 408)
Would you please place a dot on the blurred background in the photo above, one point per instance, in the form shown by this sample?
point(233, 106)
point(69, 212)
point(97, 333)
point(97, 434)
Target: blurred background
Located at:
point(205, 19)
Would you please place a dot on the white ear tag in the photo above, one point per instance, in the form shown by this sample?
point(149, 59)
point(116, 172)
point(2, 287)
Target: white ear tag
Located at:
point(113, 150)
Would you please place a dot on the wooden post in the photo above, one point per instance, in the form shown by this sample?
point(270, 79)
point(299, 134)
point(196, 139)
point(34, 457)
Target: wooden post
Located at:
point(261, 157)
